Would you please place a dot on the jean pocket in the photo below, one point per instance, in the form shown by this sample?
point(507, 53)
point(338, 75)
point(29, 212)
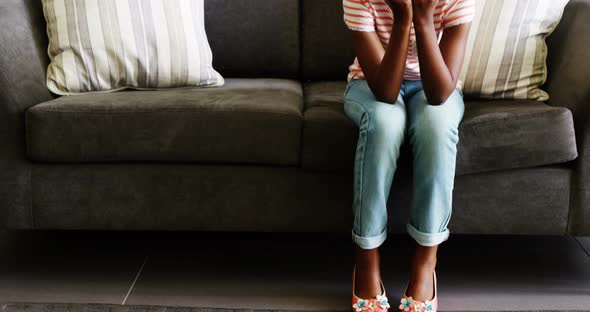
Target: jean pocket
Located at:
point(346, 89)
point(349, 86)
point(460, 92)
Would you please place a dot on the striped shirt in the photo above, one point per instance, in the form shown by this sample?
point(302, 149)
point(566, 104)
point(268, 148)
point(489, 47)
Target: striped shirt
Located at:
point(376, 15)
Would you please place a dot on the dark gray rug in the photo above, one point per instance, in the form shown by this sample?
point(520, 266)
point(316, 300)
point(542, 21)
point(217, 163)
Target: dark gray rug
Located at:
point(78, 307)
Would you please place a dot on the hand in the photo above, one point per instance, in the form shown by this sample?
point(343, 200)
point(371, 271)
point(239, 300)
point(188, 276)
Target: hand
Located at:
point(423, 10)
point(402, 10)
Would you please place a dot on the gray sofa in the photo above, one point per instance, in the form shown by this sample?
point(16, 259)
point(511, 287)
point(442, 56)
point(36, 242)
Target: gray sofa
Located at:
point(272, 150)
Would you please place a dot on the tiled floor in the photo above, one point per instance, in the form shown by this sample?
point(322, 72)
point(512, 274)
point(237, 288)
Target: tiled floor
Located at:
point(284, 271)
point(65, 268)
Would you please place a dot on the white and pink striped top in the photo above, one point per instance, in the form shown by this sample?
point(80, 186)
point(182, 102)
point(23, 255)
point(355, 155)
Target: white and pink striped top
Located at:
point(376, 15)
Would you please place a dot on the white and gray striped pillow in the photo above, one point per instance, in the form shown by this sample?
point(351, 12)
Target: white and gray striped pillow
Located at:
point(110, 45)
point(506, 51)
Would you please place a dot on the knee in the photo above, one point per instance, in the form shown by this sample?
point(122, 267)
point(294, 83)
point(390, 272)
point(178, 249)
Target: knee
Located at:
point(386, 121)
point(435, 127)
point(451, 99)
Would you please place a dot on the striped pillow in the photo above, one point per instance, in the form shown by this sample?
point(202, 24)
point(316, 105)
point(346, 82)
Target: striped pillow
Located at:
point(110, 45)
point(506, 50)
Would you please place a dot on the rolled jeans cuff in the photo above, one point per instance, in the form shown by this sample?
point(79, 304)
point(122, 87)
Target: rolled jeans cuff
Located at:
point(427, 239)
point(369, 242)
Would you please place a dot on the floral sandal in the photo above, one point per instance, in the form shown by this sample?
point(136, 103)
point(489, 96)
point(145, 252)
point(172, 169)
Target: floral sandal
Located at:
point(377, 304)
point(408, 304)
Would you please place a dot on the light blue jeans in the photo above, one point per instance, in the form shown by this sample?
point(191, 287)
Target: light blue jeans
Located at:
point(433, 131)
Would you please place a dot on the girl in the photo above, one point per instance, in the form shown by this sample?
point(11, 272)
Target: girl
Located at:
point(409, 56)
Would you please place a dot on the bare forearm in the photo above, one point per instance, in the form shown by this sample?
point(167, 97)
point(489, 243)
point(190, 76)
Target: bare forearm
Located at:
point(437, 80)
point(384, 68)
point(387, 79)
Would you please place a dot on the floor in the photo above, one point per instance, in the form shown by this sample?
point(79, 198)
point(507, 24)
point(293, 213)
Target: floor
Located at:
point(284, 271)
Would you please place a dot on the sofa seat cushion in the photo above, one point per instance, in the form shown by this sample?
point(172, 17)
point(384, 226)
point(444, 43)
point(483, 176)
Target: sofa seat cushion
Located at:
point(245, 121)
point(493, 135)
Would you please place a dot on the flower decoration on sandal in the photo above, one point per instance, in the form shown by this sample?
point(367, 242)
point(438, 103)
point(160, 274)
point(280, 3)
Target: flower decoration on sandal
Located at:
point(429, 305)
point(382, 299)
point(411, 305)
point(372, 304)
point(406, 304)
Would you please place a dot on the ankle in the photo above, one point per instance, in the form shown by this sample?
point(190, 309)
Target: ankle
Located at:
point(367, 259)
point(367, 283)
point(424, 264)
point(425, 256)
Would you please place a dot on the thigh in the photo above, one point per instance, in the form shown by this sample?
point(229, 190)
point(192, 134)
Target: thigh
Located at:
point(359, 100)
point(448, 114)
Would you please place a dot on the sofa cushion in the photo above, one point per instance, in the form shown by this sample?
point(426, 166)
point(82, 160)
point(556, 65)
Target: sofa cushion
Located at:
point(245, 121)
point(329, 136)
point(493, 135)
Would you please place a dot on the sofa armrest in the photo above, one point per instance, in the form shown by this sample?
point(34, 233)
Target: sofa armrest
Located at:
point(568, 86)
point(23, 62)
point(14, 171)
